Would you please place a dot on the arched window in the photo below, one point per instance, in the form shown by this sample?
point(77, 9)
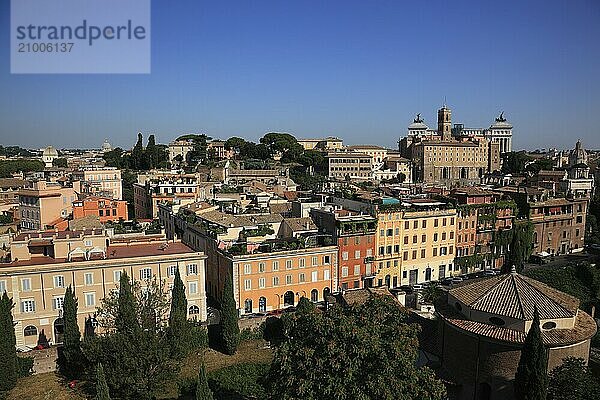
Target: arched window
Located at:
point(288, 298)
point(314, 295)
point(248, 306)
point(194, 310)
point(428, 274)
point(30, 330)
point(326, 292)
point(387, 280)
point(262, 304)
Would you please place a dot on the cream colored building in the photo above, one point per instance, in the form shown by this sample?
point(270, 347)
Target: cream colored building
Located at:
point(179, 148)
point(414, 243)
point(101, 181)
point(377, 153)
point(349, 165)
point(44, 264)
point(41, 203)
point(323, 144)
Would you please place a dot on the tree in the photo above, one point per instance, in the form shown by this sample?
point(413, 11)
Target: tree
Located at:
point(230, 331)
point(126, 318)
point(135, 352)
point(8, 353)
point(362, 352)
point(430, 293)
point(179, 328)
point(531, 379)
point(305, 306)
point(70, 357)
point(203, 391)
point(151, 153)
point(514, 162)
point(59, 162)
point(521, 246)
point(137, 154)
point(102, 392)
point(573, 380)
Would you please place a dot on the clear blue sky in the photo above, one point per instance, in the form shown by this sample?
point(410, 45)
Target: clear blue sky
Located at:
point(359, 70)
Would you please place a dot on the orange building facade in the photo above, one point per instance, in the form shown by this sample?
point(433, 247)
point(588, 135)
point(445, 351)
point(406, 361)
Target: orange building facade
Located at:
point(105, 208)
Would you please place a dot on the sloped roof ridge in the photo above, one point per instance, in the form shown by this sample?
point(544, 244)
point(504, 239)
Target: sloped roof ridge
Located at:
point(537, 289)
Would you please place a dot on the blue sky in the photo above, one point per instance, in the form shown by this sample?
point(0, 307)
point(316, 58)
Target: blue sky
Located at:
point(359, 70)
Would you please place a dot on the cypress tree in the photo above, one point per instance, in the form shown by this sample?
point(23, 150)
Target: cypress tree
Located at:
point(102, 392)
point(70, 356)
point(203, 391)
point(531, 379)
point(150, 155)
point(230, 331)
point(137, 154)
point(8, 342)
point(126, 319)
point(179, 327)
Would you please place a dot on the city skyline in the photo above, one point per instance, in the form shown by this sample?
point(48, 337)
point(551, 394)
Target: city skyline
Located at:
point(315, 70)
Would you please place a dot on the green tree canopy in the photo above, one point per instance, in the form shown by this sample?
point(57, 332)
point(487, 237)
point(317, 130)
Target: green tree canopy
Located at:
point(102, 392)
point(229, 328)
point(70, 357)
point(8, 352)
point(573, 380)
point(203, 391)
point(531, 379)
point(360, 352)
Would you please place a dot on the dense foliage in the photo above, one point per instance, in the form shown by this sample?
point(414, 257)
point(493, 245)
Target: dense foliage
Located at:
point(360, 352)
point(521, 246)
point(203, 391)
point(15, 151)
point(8, 167)
point(244, 380)
point(229, 328)
point(102, 392)
point(140, 159)
point(573, 380)
point(8, 353)
point(531, 379)
point(70, 357)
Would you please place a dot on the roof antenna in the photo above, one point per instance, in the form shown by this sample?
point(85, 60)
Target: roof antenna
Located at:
point(444, 101)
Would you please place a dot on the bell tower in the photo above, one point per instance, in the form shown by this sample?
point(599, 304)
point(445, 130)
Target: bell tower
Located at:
point(445, 123)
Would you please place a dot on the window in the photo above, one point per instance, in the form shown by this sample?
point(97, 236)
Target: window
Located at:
point(192, 269)
point(262, 283)
point(344, 272)
point(117, 276)
point(59, 281)
point(26, 284)
point(301, 263)
point(422, 253)
point(90, 299)
point(405, 257)
point(275, 265)
point(435, 237)
point(390, 232)
point(414, 254)
point(27, 306)
point(326, 275)
point(288, 264)
point(424, 224)
point(30, 330)
point(356, 254)
point(405, 239)
point(406, 225)
point(57, 302)
point(396, 248)
point(326, 260)
point(89, 278)
point(88, 243)
point(423, 238)
point(357, 270)
point(443, 235)
point(145, 273)
point(171, 269)
point(452, 221)
point(435, 251)
point(315, 261)
point(2, 287)
point(357, 240)
point(247, 269)
point(247, 284)
point(414, 238)
point(382, 232)
point(388, 249)
point(451, 235)
point(289, 279)
point(301, 277)
point(345, 256)
point(436, 223)
point(275, 281)
point(194, 310)
point(549, 325)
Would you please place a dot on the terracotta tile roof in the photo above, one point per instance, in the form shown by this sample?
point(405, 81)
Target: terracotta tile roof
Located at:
point(514, 295)
point(280, 208)
point(300, 224)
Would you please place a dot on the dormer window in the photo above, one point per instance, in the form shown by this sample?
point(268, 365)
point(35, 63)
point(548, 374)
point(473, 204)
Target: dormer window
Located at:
point(549, 325)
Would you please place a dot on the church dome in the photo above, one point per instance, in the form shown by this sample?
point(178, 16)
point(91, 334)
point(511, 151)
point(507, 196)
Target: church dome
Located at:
point(106, 146)
point(50, 151)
